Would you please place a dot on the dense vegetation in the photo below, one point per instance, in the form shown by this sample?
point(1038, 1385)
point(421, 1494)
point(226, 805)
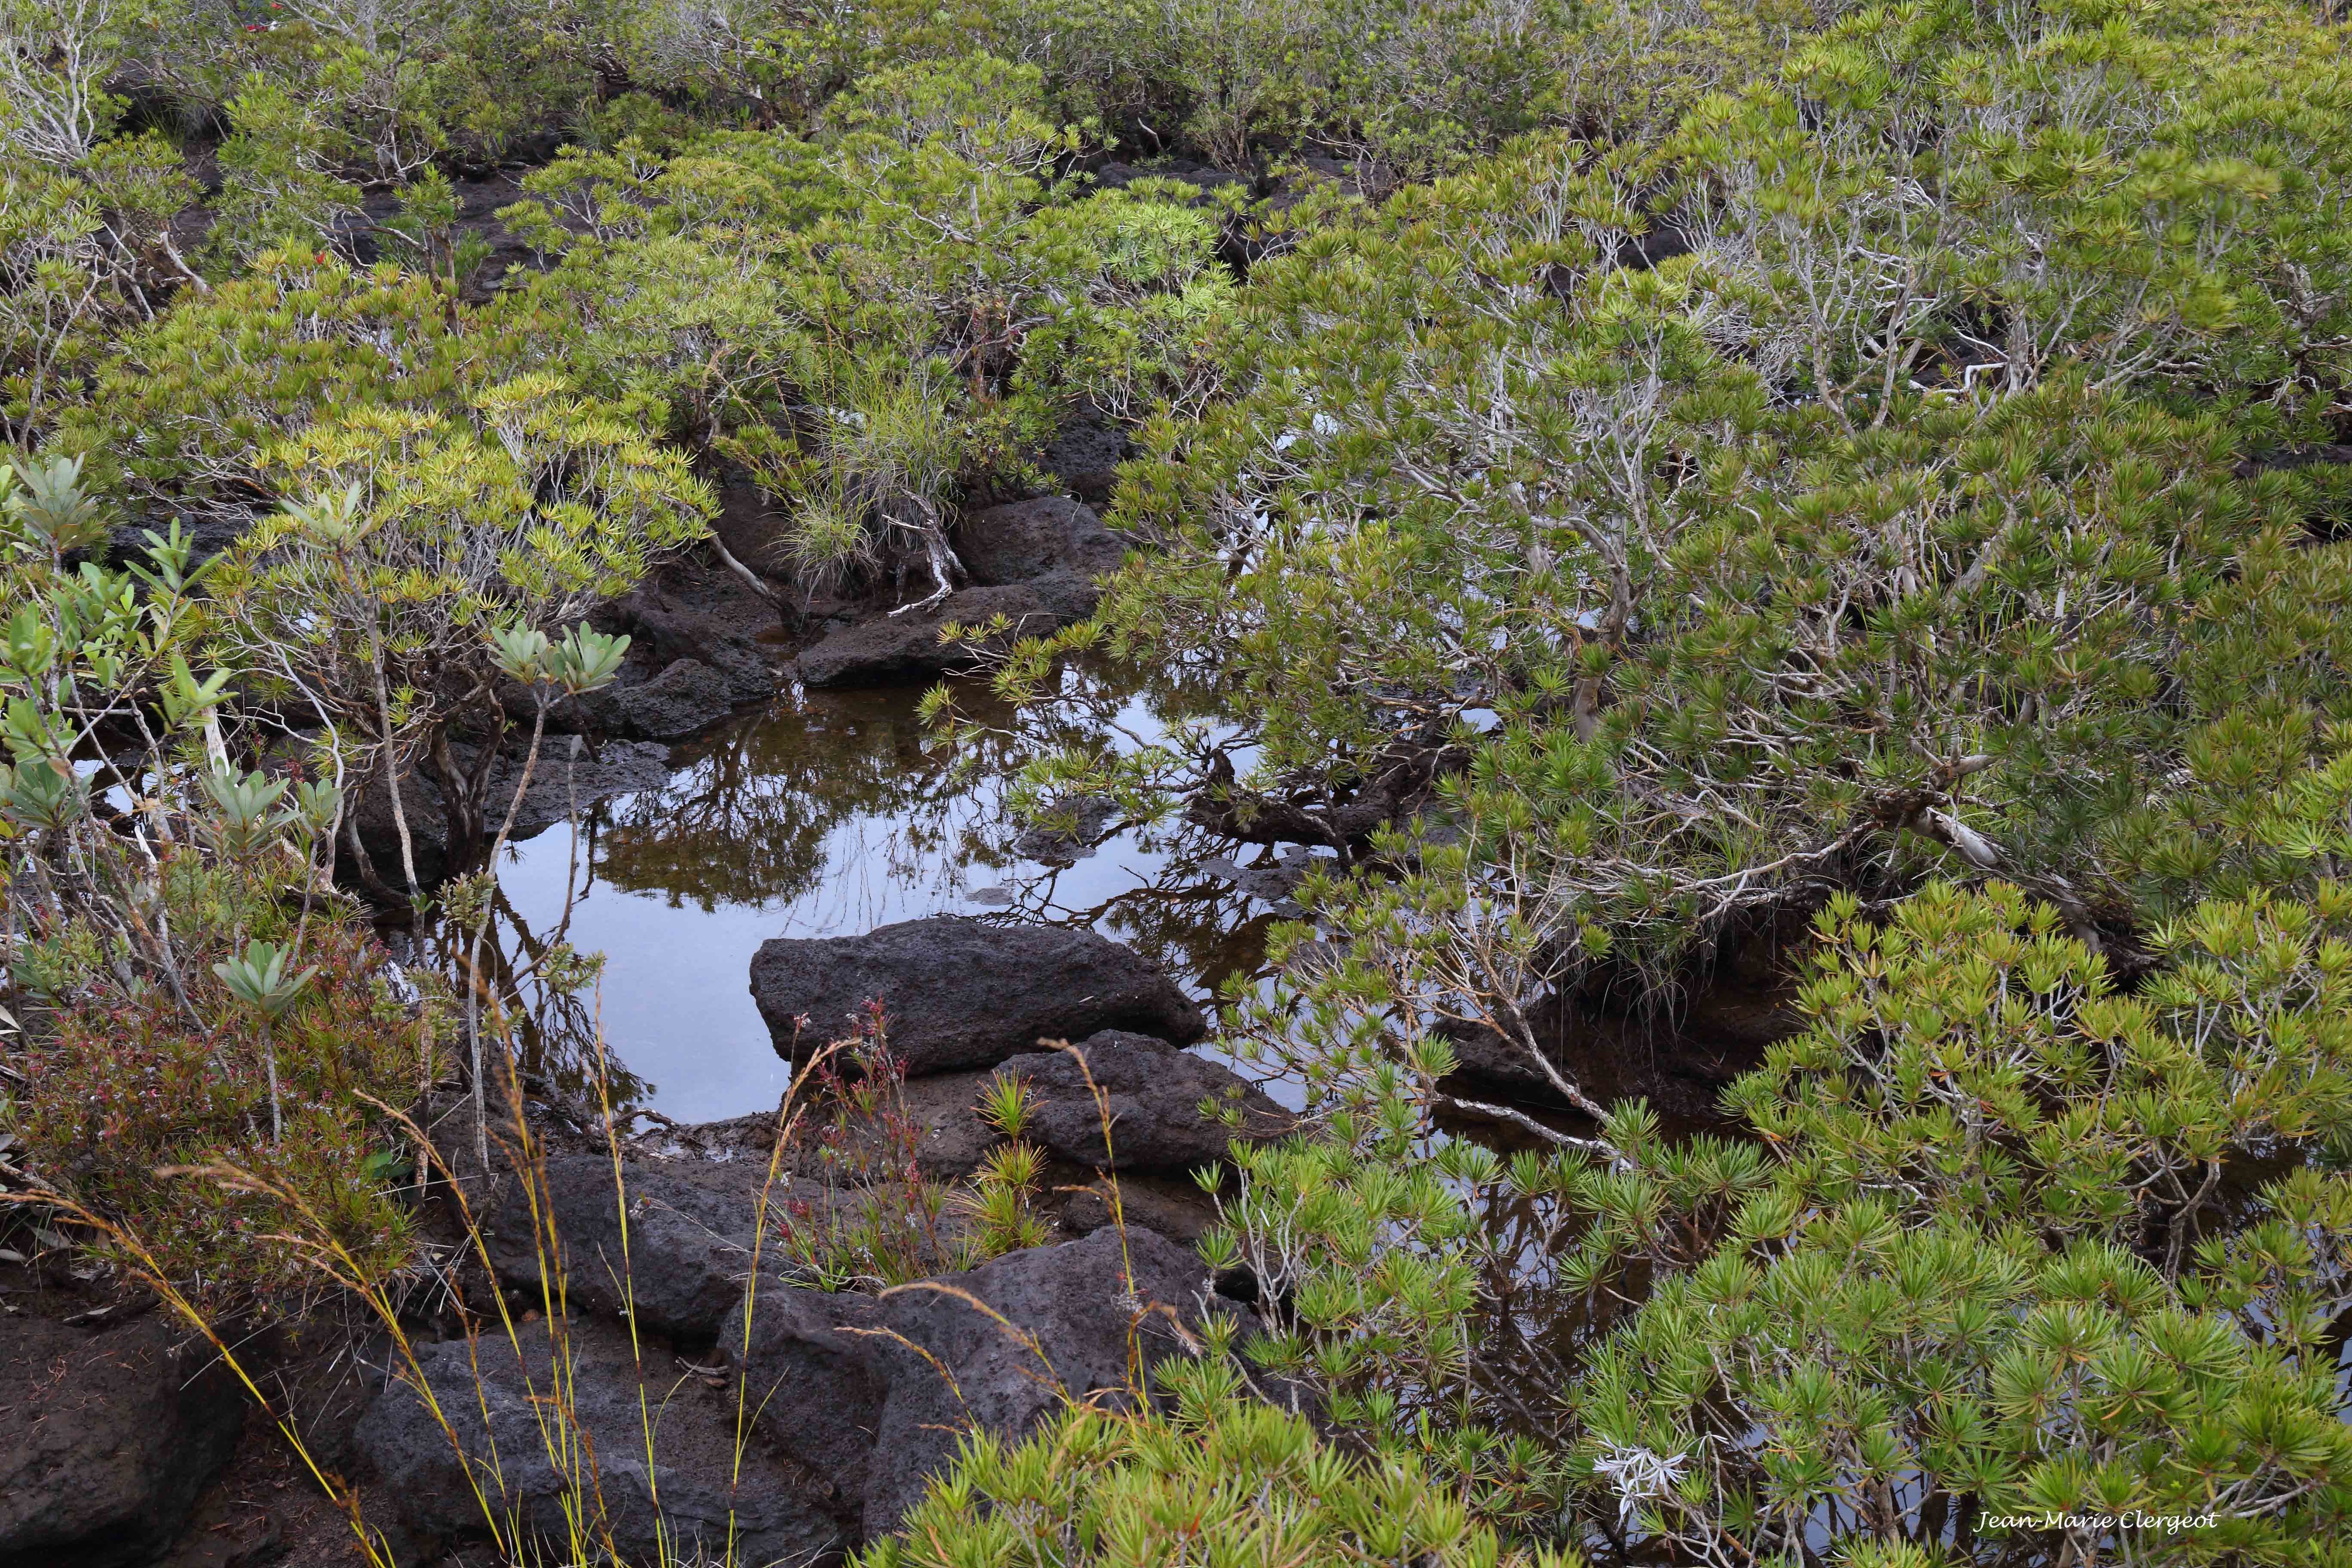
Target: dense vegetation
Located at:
point(1857, 492)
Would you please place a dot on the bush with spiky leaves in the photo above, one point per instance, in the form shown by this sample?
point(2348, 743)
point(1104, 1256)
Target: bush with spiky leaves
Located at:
point(183, 410)
point(2012, 1246)
point(880, 316)
point(1998, 1268)
point(1968, 1059)
point(178, 985)
point(374, 599)
point(1226, 1478)
point(1897, 528)
point(1877, 1381)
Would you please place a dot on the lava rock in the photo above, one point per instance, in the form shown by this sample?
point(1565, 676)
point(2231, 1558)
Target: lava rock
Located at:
point(702, 615)
point(962, 993)
point(753, 531)
point(874, 1393)
point(1118, 176)
point(1173, 1206)
point(1062, 844)
point(685, 696)
point(107, 1438)
point(692, 1227)
point(1085, 454)
point(896, 649)
point(770, 1511)
point(1679, 1061)
point(1153, 1094)
point(1029, 539)
point(616, 767)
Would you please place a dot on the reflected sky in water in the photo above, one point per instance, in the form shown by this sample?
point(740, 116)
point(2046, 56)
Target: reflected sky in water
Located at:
point(824, 816)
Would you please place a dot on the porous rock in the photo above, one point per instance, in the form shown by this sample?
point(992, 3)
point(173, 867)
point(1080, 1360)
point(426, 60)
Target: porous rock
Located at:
point(685, 695)
point(692, 1228)
point(895, 649)
point(1679, 1061)
point(959, 993)
point(874, 1393)
point(1153, 1094)
point(1027, 539)
point(1085, 456)
point(496, 1396)
point(106, 1437)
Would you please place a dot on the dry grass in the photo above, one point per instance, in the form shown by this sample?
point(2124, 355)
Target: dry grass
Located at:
point(565, 1441)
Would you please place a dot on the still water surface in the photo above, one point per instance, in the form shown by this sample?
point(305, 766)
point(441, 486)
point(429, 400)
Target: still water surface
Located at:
point(825, 814)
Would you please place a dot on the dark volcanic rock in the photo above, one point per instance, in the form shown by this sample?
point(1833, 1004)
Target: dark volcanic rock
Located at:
point(617, 767)
point(1116, 176)
point(1153, 1093)
point(1085, 456)
point(106, 1438)
point(687, 695)
point(753, 531)
point(876, 1414)
point(695, 654)
point(479, 202)
point(776, 1511)
point(704, 613)
point(895, 649)
point(1173, 1205)
point(1031, 538)
point(692, 1225)
point(1678, 1060)
point(959, 994)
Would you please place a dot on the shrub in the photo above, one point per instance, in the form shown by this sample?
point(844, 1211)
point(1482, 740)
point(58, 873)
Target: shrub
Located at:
point(180, 986)
point(182, 416)
point(375, 601)
point(880, 317)
point(1226, 1480)
point(1659, 593)
point(123, 1098)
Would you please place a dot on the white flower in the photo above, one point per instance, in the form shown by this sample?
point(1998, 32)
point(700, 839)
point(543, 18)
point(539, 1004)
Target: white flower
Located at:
point(1638, 1475)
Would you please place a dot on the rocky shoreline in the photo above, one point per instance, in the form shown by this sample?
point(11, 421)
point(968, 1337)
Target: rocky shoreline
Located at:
point(660, 1251)
point(130, 1436)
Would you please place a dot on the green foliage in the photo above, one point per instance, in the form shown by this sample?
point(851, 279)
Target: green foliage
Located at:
point(1739, 464)
point(131, 1110)
point(184, 414)
point(881, 315)
point(2000, 1255)
point(1969, 1285)
point(1368, 1254)
point(1905, 526)
point(281, 187)
point(1228, 1478)
point(381, 602)
point(168, 944)
point(1966, 1059)
point(1886, 1382)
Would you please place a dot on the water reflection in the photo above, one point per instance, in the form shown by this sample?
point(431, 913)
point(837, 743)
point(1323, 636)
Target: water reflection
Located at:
point(826, 814)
